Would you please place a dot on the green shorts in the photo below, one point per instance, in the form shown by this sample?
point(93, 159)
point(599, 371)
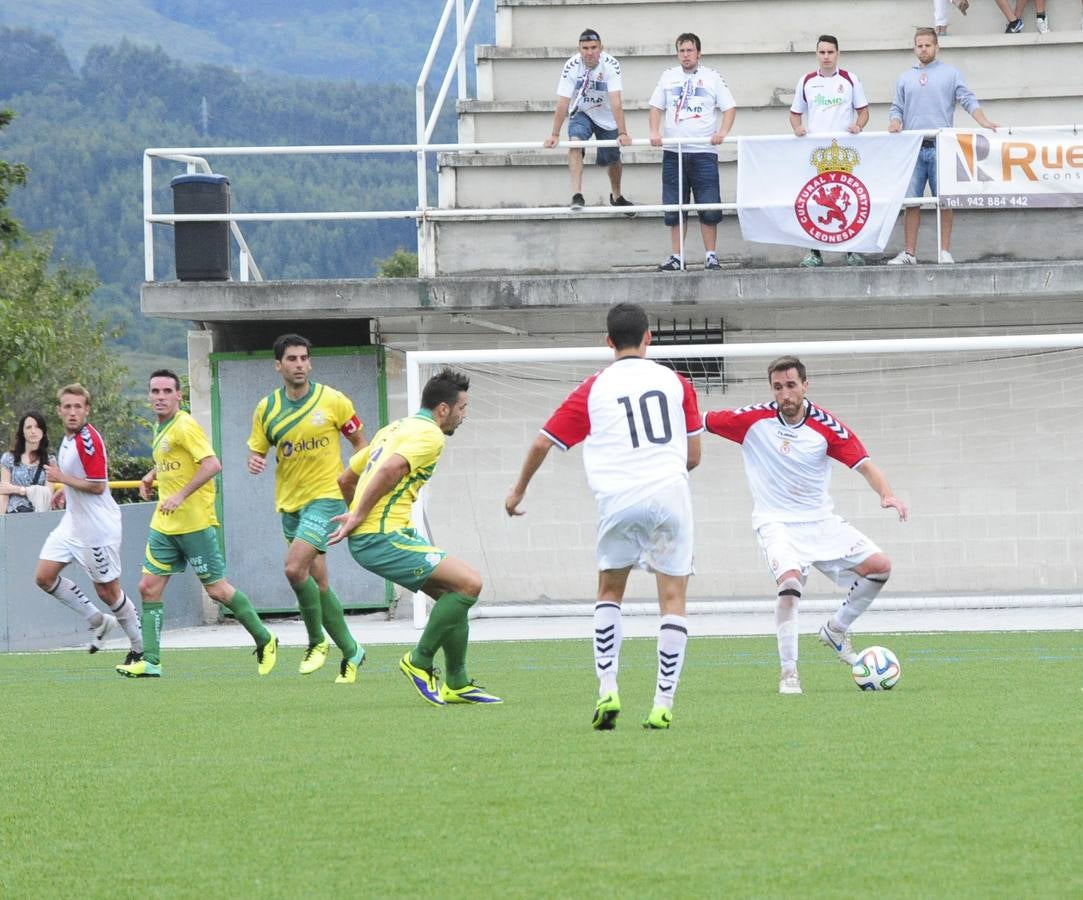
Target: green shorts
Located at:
point(168, 554)
point(403, 556)
point(312, 522)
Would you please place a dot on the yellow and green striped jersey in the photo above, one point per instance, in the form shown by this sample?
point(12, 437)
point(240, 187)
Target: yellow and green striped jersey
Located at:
point(418, 440)
point(180, 445)
point(304, 433)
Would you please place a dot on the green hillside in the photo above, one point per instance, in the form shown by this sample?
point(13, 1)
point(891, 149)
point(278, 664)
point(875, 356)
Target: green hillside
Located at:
point(382, 41)
point(82, 132)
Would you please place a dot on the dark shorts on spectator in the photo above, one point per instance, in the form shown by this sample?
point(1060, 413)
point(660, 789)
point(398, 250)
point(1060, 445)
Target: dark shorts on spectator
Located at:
point(700, 171)
point(581, 127)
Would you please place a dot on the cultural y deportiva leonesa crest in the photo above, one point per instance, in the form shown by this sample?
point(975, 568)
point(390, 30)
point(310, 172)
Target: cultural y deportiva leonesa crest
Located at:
point(834, 205)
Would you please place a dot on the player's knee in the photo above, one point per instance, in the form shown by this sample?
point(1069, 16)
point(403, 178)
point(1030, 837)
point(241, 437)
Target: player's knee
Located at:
point(150, 588)
point(296, 571)
point(789, 593)
point(46, 581)
point(472, 585)
point(877, 567)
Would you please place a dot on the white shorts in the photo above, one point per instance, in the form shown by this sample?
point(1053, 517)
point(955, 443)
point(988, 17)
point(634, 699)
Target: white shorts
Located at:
point(832, 545)
point(654, 534)
point(102, 564)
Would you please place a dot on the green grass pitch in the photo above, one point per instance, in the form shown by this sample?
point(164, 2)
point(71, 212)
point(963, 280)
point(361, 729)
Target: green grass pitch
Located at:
point(962, 782)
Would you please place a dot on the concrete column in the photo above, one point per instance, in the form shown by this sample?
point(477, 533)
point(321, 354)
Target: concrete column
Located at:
point(200, 347)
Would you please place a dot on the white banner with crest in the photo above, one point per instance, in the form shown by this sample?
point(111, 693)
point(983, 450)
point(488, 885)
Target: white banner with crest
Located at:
point(829, 192)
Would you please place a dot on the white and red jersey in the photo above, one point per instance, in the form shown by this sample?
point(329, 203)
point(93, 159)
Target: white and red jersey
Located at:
point(788, 466)
point(634, 418)
point(828, 101)
point(91, 520)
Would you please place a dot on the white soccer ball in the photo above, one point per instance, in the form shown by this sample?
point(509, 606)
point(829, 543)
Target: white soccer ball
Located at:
point(876, 669)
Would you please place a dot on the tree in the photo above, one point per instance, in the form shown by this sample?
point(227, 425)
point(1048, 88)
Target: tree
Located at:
point(49, 335)
point(10, 176)
point(400, 264)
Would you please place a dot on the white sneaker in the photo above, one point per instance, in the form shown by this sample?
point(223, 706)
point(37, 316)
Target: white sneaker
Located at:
point(1043, 24)
point(839, 642)
point(790, 683)
point(97, 634)
point(904, 258)
point(946, 258)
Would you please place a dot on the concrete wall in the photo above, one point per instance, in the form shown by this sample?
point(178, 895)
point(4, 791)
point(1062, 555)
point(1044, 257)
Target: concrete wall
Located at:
point(32, 620)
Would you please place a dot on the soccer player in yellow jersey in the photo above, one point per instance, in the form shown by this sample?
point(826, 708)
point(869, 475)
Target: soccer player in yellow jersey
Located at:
point(184, 528)
point(302, 420)
point(381, 484)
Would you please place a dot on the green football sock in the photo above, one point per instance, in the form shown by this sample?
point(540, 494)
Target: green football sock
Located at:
point(448, 612)
point(245, 613)
point(335, 622)
point(153, 614)
point(308, 601)
point(454, 645)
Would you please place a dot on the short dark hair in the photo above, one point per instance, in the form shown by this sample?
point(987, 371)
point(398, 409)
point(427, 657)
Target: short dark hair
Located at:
point(289, 340)
point(18, 446)
point(444, 387)
point(589, 34)
point(626, 324)
point(688, 36)
point(827, 39)
point(783, 363)
point(165, 373)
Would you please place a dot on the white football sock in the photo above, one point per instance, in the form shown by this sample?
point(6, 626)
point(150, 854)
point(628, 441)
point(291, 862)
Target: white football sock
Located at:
point(672, 640)
point(608, 634)
point(67, 592)
point(789, 594)
point(862, 592)
point(129, 621)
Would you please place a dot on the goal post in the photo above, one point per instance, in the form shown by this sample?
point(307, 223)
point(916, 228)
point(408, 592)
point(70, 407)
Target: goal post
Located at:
point(979, 435)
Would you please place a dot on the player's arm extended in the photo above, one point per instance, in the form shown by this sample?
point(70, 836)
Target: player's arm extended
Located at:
point(56, 476)
point(878, 482)
point(695, 451)
point(535, 456)
point(390, 472)
point(209, 466)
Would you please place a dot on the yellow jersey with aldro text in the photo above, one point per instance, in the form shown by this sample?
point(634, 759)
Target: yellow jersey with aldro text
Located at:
point(304, 433)
point(180, 445)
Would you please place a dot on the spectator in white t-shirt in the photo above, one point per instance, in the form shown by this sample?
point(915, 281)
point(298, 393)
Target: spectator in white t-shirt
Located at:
point(829, 100)
point(588, 95)
point(685, 104)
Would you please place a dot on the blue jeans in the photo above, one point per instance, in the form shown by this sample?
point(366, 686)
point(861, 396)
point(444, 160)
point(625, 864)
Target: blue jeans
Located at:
point(700, 172)
point(924, 173)
point(581, 127)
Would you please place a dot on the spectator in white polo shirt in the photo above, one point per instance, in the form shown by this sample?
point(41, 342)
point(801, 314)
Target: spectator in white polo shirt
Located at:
point(829, 100)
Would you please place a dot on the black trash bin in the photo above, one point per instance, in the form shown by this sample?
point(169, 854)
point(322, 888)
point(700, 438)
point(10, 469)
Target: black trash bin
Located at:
point(202, 248)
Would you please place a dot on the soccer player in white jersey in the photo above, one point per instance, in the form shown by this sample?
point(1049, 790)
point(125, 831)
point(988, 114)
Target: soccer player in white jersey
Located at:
point(589, 97)
point(831, 101)
point(89, 532)
point(640, 425)
point(788, 446)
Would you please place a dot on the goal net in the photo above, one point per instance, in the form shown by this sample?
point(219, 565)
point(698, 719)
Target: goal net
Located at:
point(981, 437)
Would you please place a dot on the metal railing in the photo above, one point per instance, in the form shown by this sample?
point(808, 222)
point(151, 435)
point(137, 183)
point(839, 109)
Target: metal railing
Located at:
point(194, 158)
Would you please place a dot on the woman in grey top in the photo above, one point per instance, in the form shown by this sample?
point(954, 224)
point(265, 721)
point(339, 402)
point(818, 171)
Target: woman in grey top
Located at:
point(24, 465)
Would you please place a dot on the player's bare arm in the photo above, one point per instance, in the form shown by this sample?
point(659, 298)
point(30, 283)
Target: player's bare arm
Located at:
point(878, 482)
point(357, 439)
point(146, 484)
point(55, 475)
point(861, 121)
point(623, 138)
point(256, 462)
point(391, 471)
point(535, 456)
point(797, 124)
point(208, 468)
point(695, 452)
point(656, 126)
